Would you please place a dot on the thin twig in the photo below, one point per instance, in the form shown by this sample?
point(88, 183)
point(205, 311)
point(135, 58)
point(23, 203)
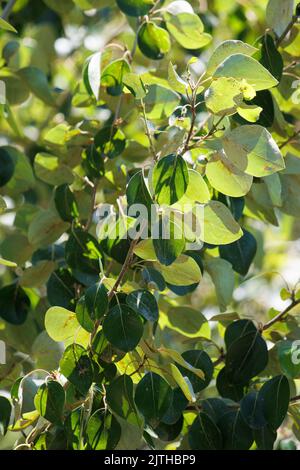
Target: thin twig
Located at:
point(7, 9)
point(281, 315)
point(147, 131)
point(91, 213)
point(286, 31)
point(290, 139)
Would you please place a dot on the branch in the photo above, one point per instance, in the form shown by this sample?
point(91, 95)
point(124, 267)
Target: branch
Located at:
point(7, 9)
point(147, 131)
point(286, 31)
point(290, 139)
point(90, 218)
point(280, 315)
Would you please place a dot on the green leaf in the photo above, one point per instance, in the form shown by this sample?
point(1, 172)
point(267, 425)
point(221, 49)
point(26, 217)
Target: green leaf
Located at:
point(285, 351)
point(204, 434)
point(222, 276)
point(96, 299)
point(270, 58)
point(61, 324)
point(37, 82)
point(199, 360)
point(137, 191)
point(14, 304)
point(22, 178)
point(65, 203)
point(219, 226)
point(38, 274)
point(50, 400)
point(184, 271)
point(103, 431)
point(226, 49)
point(246, 357)
point(112, 76)
point(176, 82)
point(227, 389)
point(197, 191)
point(187, 321)
point(240, 253)
point(45, 228)
point(153, 396)
point(243, 67)
point(135, 7)
point(224, 96)
point(170, 179)
point(253, 150)
point(83, 254)
point(7, 167)
point(279, 13)
point(60, 288)
point(236, 434)
point(92, 74)
point(5, 412)
point(76, 366)
point(50, 169)
point(171, 243)
point(160, 102)
point(275, 395)
point(6, 26)
point(120, 399)
point(252, 411)
point(226, 178)
point(265, 438)
point(110, 142)
point(187, 29)
point(123, 327)
point(153, 41)
point(135, 85)
point(143, 303)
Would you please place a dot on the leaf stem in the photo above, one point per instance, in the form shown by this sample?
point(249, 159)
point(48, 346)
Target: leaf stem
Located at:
point(281, 315)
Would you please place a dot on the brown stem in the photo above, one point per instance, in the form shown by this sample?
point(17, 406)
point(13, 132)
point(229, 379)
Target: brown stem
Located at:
point(286, 31)
point(7, 9)
point(193, 121)
point(281, 315)
point(289, 140)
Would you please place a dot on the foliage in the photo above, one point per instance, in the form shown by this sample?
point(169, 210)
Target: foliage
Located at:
point(118, 342)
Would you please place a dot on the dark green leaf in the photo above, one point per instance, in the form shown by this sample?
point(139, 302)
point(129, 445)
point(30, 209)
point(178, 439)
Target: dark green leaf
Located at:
point(227, 389)
point(170, 179)
point(252, 411)
point(143, 303)
point(275, 395)
point(240, 253)
point(204, 434)
point(153, 397)
point(14, 304)
point(123, 327)
point(50, 401)
point(135, 7)
point(5, 412)
point(236, 434)
point(65, 203)
point(76, 366)
point(61, 288)
point(199, 360)
point(137, 191)
point(7, 167)
point(110, 142)
point(103, 431)
point(270, 58)
point(119, 397)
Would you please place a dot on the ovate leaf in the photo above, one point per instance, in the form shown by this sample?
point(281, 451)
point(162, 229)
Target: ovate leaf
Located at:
point(243, 67)
point(123, 327)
